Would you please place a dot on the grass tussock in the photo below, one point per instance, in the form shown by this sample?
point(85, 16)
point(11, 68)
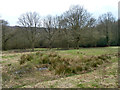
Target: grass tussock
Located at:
point(63, 65)
point(24, 70)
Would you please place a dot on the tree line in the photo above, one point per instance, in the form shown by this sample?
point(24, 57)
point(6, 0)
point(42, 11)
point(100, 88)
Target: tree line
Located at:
point(74, 28)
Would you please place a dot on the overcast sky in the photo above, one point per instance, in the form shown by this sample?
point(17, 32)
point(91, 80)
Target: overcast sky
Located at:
point(10, 10)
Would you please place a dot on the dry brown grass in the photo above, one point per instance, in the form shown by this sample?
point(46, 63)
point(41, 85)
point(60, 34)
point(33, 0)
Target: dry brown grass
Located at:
point(47, 78)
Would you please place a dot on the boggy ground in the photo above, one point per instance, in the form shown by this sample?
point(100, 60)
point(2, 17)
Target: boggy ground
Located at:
point(16, 75)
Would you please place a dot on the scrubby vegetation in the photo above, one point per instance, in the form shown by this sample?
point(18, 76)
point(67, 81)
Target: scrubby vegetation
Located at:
point(39, 66)
point(64, 65)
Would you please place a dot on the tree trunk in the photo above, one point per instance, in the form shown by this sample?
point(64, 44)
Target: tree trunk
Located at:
point(4, 45)
point(77, 45)
point(107, 35)
point(50, 45)
point(68, 46)
point(107, 39)
point(32, 47)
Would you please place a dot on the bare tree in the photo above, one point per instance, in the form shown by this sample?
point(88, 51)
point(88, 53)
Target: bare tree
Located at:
point(50, 28)
point(77, 18)
point(30, 21)
point(63, 30)
point(106, 21)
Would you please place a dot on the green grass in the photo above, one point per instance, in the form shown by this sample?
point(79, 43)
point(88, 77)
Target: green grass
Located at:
point(81, 85)
point(65, 65)
point(87, 80)
point(18, 86)
point(1, 62)
point(57, 63)
point(40, 49)
point(91, 51)
point(9, 56)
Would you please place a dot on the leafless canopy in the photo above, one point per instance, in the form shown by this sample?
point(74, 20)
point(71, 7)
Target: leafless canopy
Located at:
point(31, 21)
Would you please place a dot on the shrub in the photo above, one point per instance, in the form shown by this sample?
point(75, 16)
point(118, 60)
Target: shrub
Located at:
point(105, 58)
point(62, 69)
point(30, 57)
point(79, 68)
point(45, 59)
point(39, 54)
point(52, 54)
point(94, 64)
point(25, 58)
point(63, 65)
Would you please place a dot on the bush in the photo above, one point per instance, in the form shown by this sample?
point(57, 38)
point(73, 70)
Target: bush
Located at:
point(62, 69)
point(45, 60)
point(25, 58)
point(39, 54)
point(64, 66)
point(104, 57)
point(102, 42)
point(52, 54)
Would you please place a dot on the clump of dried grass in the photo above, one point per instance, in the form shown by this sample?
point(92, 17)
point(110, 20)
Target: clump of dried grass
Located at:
point(65, 65)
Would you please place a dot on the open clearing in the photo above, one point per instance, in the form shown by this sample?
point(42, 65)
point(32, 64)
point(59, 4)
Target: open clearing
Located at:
point(103, 76)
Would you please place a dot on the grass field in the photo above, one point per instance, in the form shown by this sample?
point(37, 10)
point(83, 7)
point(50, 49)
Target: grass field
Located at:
point(19, 72)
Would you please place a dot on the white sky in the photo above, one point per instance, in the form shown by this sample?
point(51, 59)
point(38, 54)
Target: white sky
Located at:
point(10, 10)
point(119, 10)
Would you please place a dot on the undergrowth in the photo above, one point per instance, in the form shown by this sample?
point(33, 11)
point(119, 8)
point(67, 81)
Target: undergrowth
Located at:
point(63, 65)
